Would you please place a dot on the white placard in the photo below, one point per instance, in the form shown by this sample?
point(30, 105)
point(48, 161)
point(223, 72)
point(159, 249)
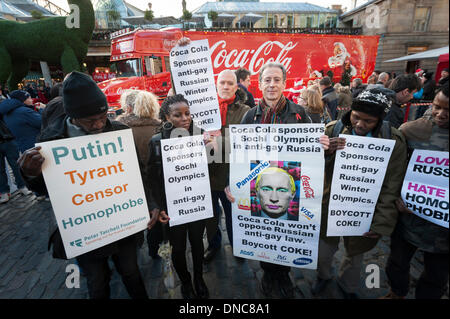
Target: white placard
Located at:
point(425, 188)
point(193, 77)
point(95, 188)
point(358, 175)
point(186, 179)
point(276, 176)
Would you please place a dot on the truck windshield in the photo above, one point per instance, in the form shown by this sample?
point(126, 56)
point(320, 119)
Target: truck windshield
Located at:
point(126, 68)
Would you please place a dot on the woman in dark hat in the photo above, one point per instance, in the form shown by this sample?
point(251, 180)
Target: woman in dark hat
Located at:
point(20, 117)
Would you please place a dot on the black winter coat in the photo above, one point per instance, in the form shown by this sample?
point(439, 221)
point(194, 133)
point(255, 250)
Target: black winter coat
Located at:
point(292, 114)
point(58, 131)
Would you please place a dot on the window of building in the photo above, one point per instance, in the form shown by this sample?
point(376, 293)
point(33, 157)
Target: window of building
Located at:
point(329, 22)
point(270, 21)
point(421, 17)
point(290, 21)
point(309, 22)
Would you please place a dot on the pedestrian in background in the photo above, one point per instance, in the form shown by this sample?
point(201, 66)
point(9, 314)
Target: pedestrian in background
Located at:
point(21, 119)
point(10, 153)
point(311, 100)
point(141, 114)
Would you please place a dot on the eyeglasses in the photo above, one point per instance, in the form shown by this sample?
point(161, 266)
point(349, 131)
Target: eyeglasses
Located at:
point(90, 120)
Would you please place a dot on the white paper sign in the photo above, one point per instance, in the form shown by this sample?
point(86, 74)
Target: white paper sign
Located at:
point(193, 77)
point(186, 179)
point(358, 175)
point(276, 176)
point(95, 188)
point(425, 188)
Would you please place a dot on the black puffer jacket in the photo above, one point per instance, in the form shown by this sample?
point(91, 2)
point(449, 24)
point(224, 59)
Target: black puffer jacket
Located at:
point(56, 131)
point(154, 181)
point(5, 133)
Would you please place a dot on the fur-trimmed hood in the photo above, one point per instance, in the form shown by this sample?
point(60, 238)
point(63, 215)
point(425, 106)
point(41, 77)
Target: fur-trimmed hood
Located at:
point(133, 120)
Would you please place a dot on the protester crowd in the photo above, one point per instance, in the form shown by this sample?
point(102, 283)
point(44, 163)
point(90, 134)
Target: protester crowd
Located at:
point(376, 109)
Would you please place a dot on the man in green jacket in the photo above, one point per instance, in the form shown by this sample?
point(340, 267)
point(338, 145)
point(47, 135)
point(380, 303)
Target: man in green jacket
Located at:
point(364, 119)
point(412, 232)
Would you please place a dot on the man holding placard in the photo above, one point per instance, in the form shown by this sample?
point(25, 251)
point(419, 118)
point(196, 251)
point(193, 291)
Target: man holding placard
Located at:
point(365, 119)
point(109, 231)
point(274, 108)
point(232, 110)
point(415, 230)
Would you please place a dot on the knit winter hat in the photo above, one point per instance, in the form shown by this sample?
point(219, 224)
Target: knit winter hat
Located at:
point(82, 97)
point(19, 95)
point(374, 102)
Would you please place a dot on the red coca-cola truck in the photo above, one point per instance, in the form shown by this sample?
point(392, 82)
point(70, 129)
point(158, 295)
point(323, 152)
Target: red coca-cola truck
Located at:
point(140, 58)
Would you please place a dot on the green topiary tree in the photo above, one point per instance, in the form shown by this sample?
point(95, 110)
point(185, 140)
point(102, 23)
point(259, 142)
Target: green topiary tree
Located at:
point(187, 15)
point(148, 15)
point(212, 15)
point(54, 40)
point(36, 14)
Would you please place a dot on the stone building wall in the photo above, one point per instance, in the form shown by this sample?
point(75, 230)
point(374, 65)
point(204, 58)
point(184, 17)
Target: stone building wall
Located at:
point(395, 25)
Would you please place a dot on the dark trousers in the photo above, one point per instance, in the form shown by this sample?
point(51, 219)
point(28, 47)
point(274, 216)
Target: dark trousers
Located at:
point(98, 274)
point(177, 237)
point(154, 239)
point(433, 281)
point(213, 231)
point(274, 269)
point(9, 151)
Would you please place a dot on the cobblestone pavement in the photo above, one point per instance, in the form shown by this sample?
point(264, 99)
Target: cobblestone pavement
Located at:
point(27, 269)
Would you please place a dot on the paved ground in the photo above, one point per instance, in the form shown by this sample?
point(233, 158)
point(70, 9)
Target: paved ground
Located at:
point(27, 269)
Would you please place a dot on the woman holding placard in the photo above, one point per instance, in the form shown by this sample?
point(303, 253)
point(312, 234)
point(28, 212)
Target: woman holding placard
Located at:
point(177, 120)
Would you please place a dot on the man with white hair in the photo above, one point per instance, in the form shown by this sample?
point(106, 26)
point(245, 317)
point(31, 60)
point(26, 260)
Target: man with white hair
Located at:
point(232, 110)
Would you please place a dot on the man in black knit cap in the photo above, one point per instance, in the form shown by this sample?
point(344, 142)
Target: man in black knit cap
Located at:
point(364, 119)
point(86, 111)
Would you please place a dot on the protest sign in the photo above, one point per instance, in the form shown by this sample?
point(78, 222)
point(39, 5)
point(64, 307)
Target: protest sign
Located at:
point(276, 176)
point(425, 187)
point(95, 187)
point(193, 77)
point(186, 179)
point(358, 175)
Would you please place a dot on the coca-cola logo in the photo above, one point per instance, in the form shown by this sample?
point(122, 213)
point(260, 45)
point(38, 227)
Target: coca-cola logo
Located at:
point(252, 59)
point(120, 90)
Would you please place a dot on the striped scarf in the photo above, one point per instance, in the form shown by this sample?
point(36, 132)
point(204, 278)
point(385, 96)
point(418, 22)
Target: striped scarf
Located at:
point(271, 115)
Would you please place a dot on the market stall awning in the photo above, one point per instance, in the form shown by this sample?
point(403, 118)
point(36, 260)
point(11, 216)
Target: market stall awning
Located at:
point(250, 18)
point(430, 54)
point(33, 75)
point(225, 17)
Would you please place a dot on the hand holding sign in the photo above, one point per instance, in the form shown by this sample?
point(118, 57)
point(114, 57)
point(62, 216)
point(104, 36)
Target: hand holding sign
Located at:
point(183, 42)
point(163, 218)
point(154, 216)
point(324, 140)
point(228, 194)
point(400, 204)
point(335, 144)
point(31, 161)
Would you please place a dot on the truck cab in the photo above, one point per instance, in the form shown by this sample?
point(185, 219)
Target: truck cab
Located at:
point(140, 61)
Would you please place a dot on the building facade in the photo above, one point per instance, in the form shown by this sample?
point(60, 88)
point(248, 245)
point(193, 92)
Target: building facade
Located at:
point(252, 13)
point(405, 27)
